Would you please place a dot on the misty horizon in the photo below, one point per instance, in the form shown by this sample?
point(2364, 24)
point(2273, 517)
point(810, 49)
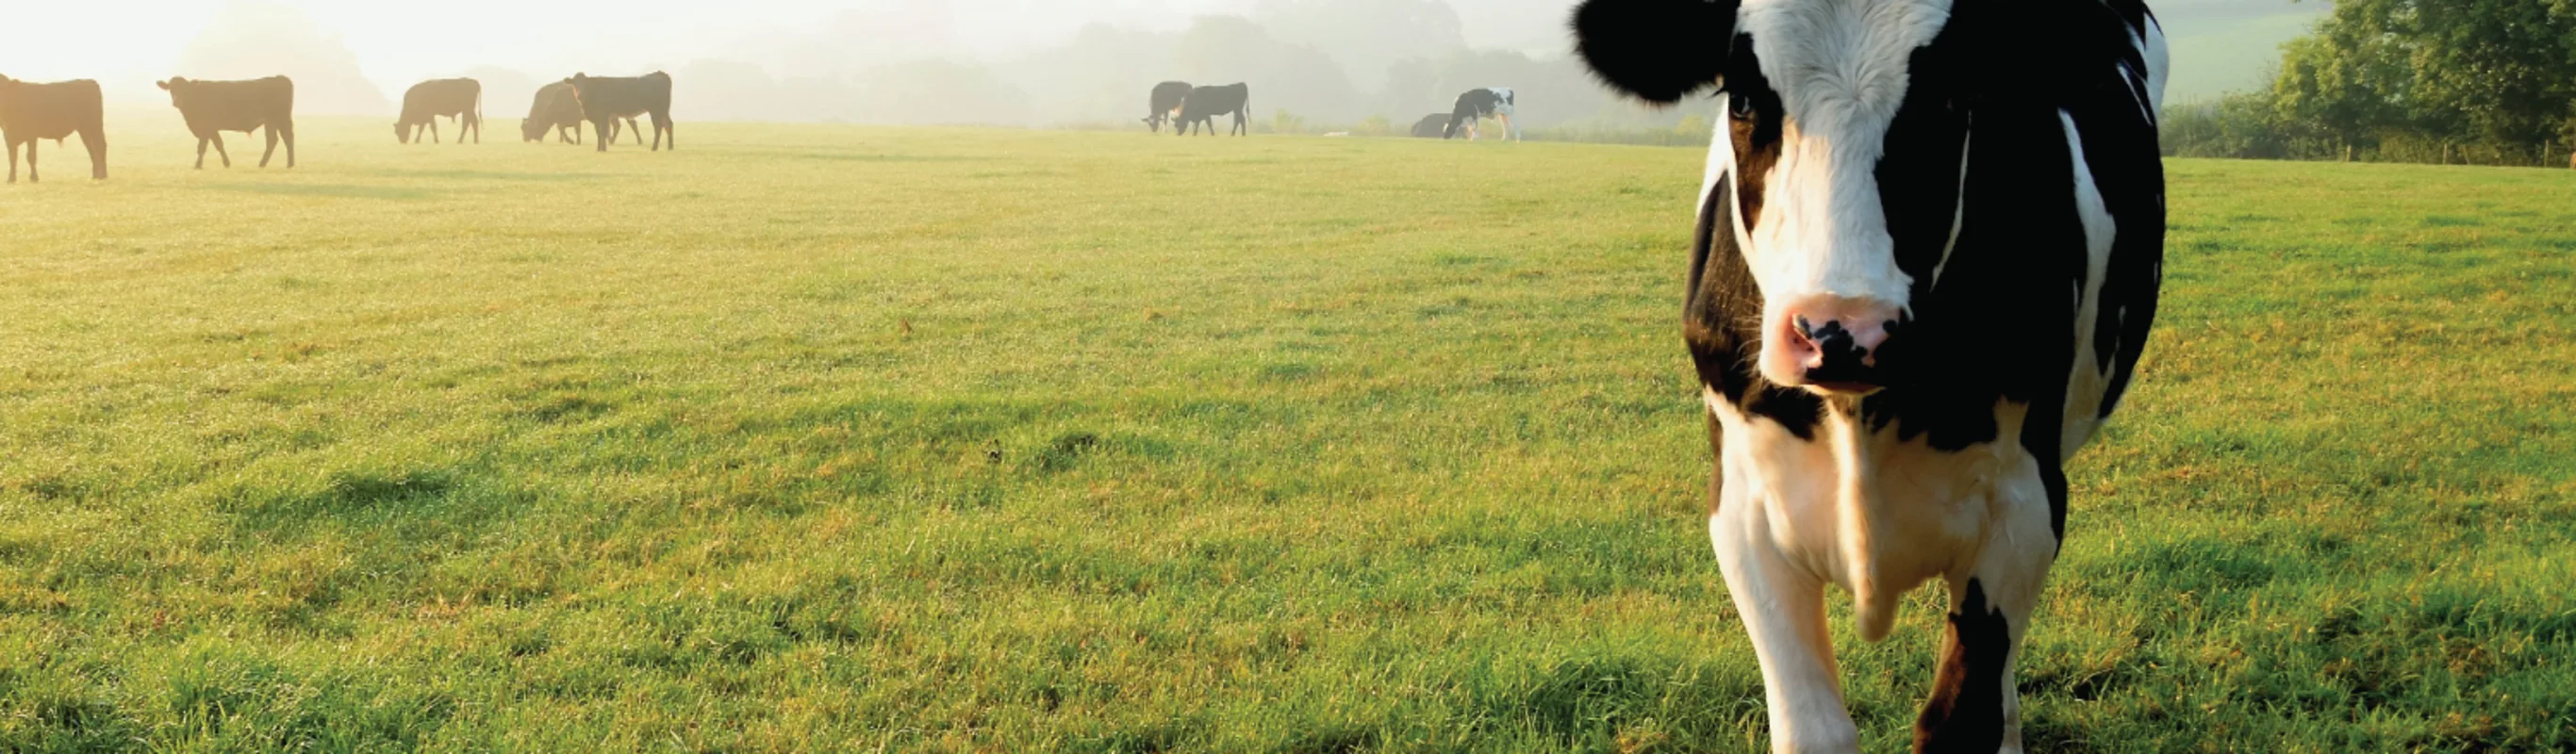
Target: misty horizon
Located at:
point(988, 62)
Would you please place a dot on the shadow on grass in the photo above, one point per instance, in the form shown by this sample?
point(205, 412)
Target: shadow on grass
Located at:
point(490, 175)
point(339, 191)
point(856, 157)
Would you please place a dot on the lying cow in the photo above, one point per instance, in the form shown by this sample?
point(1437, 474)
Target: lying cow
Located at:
point(1477, 104)
point(31, 111)
point(1929, 244)
point(604, 100)
point(1165, 99)
point(213, 107)
point(555, 109)
point(461, 99)
point(1433, 126)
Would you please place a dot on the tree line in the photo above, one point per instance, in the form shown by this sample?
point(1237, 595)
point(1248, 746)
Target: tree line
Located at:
point(2487, 82)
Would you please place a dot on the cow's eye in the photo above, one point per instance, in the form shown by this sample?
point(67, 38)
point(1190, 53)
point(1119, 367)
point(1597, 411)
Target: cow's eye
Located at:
point(1740, 106)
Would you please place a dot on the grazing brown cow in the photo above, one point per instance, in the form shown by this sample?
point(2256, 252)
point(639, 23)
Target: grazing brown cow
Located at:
point(555, 109)
point(31, 111)
point(461, 99)
point(604, 100)
point(213, 107)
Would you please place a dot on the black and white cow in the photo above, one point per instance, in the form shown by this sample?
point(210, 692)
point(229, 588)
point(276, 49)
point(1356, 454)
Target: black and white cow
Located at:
point(1929, 244)
point(1477, 104)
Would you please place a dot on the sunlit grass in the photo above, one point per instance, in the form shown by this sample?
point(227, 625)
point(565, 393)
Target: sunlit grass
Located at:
point(820, 438)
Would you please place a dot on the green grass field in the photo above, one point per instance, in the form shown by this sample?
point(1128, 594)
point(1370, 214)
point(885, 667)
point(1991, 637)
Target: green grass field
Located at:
point(834, 438)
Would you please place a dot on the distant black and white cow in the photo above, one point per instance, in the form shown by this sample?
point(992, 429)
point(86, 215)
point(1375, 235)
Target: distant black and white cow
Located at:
point(1433, 126)
point(461, 99)
point(1205, 103)
point(30, 111)
point(213, 107)
point(605, 100)
point(1929, 245)
point(1162, 103)
point(1478, 104)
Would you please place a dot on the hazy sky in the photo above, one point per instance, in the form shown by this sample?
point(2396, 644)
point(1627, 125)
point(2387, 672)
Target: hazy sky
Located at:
point(408, 41)
point(127, 41)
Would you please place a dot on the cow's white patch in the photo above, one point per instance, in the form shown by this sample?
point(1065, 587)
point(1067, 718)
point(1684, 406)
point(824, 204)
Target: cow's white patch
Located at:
point(2086, 380)
point(1840, 69)
point(1959, 211)
point(2159, 62)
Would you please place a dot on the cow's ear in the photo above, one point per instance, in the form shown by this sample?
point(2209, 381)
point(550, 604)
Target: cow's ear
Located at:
point(1657, 50)
point(163, 84)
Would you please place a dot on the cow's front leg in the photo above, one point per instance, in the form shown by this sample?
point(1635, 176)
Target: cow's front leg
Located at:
point(13, 163)
point(1783, 608)
point(1975, 706)
point(218, 138)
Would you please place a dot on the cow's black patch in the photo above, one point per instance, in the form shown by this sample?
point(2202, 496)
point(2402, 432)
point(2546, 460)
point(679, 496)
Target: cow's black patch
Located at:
point(2119, 147)
point(1658, 50)
point(1966, 712)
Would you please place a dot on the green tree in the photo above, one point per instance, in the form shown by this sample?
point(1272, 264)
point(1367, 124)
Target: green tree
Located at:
point(2496, 71)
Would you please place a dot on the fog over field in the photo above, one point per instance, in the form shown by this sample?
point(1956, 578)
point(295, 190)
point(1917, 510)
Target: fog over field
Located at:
point(997, 62)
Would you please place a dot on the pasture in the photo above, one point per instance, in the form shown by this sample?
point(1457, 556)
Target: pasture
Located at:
point(838, 438)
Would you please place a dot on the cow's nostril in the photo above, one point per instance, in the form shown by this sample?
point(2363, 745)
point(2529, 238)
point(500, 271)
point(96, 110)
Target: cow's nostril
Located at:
point(1832, 337)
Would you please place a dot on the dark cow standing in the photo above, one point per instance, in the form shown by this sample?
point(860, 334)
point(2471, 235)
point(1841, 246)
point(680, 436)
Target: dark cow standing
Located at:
point(1477, 104)
point(606, 99)
point(1929, 245)
point(1166, 98)
point(556, 109)
point(31, 111)
point(213, 107)
point(1433, 126)
point(1206, 102)
point(461, 99)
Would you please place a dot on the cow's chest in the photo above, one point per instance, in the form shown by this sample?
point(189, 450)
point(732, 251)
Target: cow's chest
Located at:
point(1867, 509)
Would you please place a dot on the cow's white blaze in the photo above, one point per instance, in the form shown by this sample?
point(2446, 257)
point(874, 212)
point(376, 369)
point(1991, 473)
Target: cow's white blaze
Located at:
point(1840, 69)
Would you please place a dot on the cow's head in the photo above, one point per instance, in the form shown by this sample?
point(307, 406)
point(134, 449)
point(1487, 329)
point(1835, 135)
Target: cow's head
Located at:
point(176, 86)
point(532, 129)
point(402, 131)
point(1835, 176)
